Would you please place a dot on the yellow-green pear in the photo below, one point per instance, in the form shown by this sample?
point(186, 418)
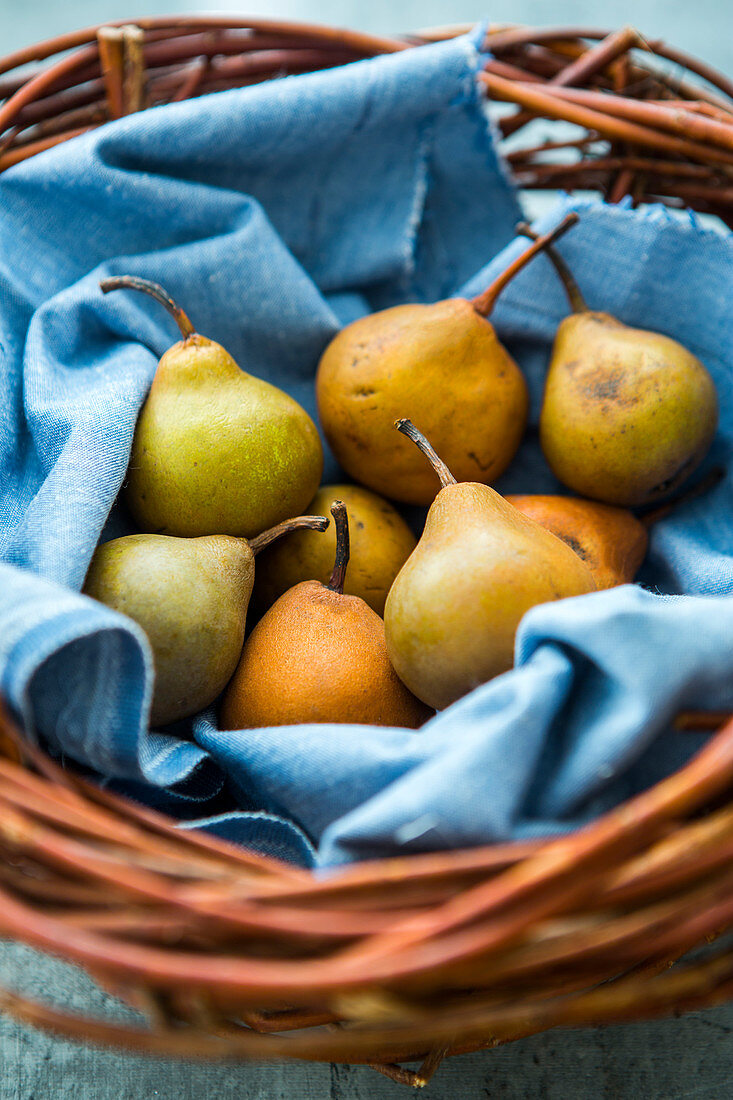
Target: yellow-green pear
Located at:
point(190, 596)
point(381, 543)
point(453, 611)
point(442, 365)
point(215, 450)
point(627, 413)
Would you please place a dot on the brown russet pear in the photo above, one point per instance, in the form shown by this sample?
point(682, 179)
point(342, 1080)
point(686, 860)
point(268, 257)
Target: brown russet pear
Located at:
point(441, 364)
point(190, 596)
point(627, 414)
point(381, 542)
point(611, 541)
point(215, 450)
point(453, 611)
point(319, 655)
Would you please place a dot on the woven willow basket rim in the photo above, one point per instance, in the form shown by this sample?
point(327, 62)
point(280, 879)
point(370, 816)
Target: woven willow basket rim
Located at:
point(232, 955)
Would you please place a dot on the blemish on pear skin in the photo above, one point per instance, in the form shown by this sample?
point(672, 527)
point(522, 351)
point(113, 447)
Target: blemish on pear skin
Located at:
point(358, 443)
point(604, 385)
point(575, 545)
point(676, 477)
point(481, 465)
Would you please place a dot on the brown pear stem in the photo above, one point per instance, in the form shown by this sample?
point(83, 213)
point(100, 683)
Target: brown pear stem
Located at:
point(578, 303)
point(132, 282)
point(701, 721)
point(311, 523)
point(485, 302)
point(654, 514)
point(408, 428)
point(343, 548)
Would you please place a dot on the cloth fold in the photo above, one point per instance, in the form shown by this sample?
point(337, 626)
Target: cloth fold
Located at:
point(274, 214)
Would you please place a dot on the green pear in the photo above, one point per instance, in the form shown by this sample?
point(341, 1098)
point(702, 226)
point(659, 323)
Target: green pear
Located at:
point(627, 413)
point(216, 450)
point(190, 596)
point(441, 364)
point(454, 608)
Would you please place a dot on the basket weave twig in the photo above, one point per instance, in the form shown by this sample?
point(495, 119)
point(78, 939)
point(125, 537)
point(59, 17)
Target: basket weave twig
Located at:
point(646, 130)
point(229, 954)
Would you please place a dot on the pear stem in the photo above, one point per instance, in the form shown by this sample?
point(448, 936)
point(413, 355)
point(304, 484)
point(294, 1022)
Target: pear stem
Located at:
point(578, 303)
point(484, 303)
point(408, 428)
point(700, 721)
point(343, 548)
point(311, 523)
point(655, 513)
point(132, 282)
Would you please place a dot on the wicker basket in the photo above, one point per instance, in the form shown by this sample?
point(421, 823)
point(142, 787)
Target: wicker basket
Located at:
point(232, 955)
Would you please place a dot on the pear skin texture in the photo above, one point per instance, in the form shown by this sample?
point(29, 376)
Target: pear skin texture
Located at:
point(440, 365)
point(453, 611)
point(318, 656)
point(381, 543)
point(611, 541)
point(627, 415)
point(217, 451)
point(190, 597)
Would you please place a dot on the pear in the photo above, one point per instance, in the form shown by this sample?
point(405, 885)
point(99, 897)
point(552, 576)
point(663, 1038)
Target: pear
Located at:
point(190, 596)
point(611, 541)
point(453, 611)
point(319, 655)
point(627, 414)
point(443, 365)
point(215, 450)
point(381, 543)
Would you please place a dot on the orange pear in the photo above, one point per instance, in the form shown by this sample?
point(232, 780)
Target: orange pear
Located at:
point(441, 364)
point(319, 655)
point(381, 543)
point(611, 541)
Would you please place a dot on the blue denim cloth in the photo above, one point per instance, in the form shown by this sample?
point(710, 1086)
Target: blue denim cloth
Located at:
point(275, 214)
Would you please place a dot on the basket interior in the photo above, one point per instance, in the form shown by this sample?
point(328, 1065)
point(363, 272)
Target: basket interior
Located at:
point(415, 958)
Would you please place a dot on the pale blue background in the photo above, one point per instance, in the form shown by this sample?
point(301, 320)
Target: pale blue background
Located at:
point(688, 1058)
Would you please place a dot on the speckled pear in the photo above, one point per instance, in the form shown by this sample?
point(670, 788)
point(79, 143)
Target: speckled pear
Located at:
point(453, 611)
point(441, 364)
point(381, 542)
point(216, 450)
point(319, 655)
point(190, 596)
point(627, 414)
